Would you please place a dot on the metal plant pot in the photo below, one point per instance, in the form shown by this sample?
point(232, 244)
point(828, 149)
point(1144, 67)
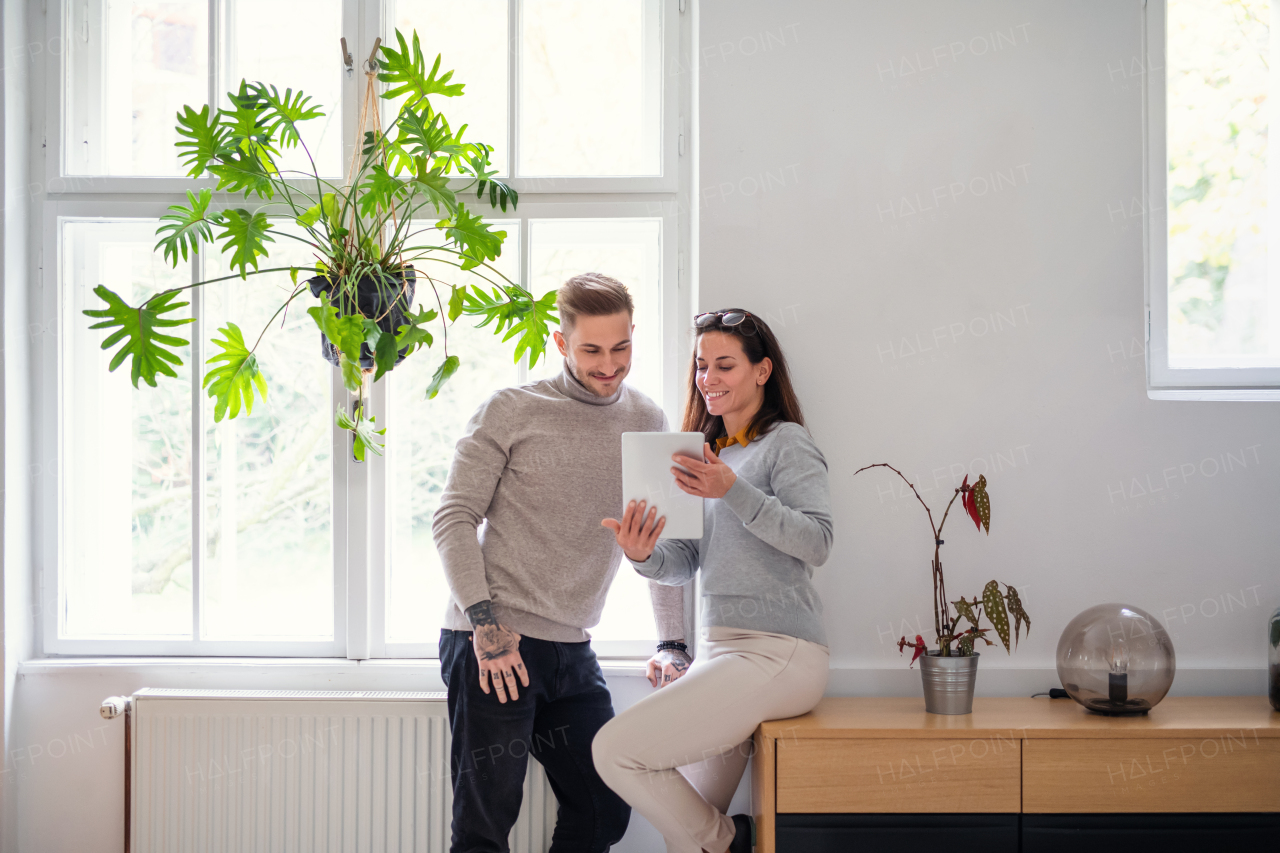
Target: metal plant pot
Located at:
point(948, 683)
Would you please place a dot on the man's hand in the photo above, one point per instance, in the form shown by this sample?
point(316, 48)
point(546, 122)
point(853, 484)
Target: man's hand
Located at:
point(707, 477)
point(667, 666)
point(637, 533)
point(497, 652)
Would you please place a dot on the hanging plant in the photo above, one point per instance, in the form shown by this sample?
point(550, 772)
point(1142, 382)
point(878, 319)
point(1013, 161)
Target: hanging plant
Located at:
point(361, 235)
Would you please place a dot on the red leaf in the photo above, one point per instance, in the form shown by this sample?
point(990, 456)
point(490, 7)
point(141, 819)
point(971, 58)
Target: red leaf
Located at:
point(919, 646)
point(971, 507)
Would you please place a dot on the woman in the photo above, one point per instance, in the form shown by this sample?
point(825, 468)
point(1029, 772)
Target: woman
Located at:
point(677, 756)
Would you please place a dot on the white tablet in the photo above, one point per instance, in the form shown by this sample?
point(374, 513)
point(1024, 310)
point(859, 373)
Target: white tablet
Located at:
point(646, 476)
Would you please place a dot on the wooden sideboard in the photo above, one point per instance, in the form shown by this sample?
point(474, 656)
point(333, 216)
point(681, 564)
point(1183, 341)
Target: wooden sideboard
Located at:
point(886, 756)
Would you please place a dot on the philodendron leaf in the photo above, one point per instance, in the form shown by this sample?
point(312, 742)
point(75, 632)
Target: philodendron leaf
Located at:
point(282, 113)
point(352, 375)
point(327, 207)
point(245, 236)
point(380, 191)
point(407, 72)
point(383, 346)
point(982, 501)
point(435, 187)
point(246, 122)
point(965, 609)
point(238, 174)
point(364, 437)
point(476, 243)
point(345, 333)
point(993, 606)
point(203, 139)
point(499, 194)
point(422, 134)
point(233, 381)
point(443, 372)
point(457, 301)
point(1019, 615)
point(186, 226)
point(514, 310)
point(413, 334)
point(139, 329)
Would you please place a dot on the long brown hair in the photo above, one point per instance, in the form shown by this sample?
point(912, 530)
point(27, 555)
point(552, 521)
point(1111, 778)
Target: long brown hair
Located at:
point(758, 342)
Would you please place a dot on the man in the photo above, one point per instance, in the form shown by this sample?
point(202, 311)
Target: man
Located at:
point(541, 465)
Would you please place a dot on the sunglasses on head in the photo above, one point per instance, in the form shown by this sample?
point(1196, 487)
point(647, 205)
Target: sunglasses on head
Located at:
point(725, 318)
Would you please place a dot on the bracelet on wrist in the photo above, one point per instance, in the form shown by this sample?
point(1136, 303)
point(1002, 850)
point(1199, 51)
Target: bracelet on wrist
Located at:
point(673, 644)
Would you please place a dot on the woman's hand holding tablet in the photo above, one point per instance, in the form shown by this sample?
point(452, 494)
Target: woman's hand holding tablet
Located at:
point(708, 477)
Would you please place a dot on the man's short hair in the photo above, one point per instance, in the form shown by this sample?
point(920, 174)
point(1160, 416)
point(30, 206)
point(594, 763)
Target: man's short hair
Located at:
point(591, 294)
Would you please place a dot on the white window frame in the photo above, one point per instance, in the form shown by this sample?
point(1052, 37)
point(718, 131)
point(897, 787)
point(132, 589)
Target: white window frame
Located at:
point(361, 534)
point(1163, 381)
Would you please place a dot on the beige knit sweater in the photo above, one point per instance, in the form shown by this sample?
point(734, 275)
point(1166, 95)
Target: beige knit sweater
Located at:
point(540, 465)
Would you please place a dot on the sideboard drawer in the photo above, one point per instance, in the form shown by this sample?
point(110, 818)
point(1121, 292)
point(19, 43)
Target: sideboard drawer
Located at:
point(827, 775)
point(1238, 773)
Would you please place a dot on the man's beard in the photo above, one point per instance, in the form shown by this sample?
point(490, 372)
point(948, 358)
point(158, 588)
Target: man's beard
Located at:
point(583, 380)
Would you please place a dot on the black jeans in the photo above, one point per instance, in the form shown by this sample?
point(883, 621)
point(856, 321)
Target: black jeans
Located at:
point(554, 720)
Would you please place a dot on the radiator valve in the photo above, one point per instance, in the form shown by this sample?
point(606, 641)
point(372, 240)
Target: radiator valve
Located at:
point(113, 706)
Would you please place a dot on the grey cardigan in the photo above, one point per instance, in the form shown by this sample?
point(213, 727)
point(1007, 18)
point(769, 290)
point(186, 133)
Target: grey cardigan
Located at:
point(760, 541)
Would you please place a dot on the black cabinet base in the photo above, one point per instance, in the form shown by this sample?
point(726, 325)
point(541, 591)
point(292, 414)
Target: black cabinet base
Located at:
point(1011, 833)
point(896, 833)
point(1133, 833)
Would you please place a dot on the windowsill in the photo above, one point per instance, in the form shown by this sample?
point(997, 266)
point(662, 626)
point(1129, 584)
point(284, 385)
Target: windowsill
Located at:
point(1237, 395)
point(48, 678)
point(335, 667)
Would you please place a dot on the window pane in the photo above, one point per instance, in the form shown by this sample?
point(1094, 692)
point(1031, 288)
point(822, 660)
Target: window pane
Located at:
point(131, 66)
point(307, 60)
point(590, 88)
point(421, 435)
point(471, 39)
point(1224, 292)
point(126, 453)
point(269, 482)
point(630, 251)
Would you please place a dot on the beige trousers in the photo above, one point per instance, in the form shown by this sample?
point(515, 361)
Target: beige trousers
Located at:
point(678, 754)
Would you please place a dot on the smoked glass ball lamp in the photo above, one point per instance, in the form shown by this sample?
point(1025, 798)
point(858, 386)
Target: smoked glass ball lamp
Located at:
point(1116, 659)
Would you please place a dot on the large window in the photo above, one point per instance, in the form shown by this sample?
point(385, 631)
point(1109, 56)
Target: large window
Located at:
point(166, 532)
point(1214, 270)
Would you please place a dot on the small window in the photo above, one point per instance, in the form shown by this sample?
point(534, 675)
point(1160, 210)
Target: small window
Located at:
point(1215, 272)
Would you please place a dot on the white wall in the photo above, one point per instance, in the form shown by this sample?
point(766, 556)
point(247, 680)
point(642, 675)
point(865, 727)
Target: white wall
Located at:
point(17, 195)
point(832, 135)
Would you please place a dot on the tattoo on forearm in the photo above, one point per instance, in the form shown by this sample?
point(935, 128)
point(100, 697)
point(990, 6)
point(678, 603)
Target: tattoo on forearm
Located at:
point(481, 613)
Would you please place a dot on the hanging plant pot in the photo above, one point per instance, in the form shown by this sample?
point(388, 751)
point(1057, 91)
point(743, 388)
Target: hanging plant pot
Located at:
point(384, 299)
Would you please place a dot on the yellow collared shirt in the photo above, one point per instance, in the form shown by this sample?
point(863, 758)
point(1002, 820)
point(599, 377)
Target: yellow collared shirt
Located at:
point(743, 437)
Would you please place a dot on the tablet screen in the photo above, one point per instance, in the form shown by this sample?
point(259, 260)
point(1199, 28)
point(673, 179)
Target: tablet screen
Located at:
point(646, 476)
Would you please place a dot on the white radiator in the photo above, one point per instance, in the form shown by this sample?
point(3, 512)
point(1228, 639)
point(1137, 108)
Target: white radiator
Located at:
point(234, 771)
